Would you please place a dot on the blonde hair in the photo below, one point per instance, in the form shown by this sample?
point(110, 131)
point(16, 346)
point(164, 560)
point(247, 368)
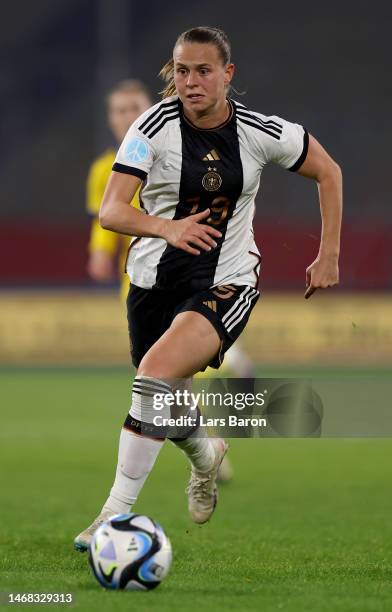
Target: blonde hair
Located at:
point(201, 34)
point(167, 74)
point(129, 86)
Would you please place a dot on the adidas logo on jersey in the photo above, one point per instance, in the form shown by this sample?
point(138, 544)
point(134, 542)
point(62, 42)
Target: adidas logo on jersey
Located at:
point(211, 156)
point(210, 304)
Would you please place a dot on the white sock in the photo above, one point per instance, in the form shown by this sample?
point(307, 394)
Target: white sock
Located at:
point(199, 450)
point(137, 453)
point(136, 458)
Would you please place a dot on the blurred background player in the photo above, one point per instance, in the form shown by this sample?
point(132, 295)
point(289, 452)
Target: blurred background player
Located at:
point(125, 102)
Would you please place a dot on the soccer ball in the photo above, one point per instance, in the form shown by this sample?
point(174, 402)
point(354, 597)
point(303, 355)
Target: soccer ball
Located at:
point(130, 552)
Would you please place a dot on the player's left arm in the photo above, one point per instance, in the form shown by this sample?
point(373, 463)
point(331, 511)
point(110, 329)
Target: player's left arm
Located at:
point(318, 165)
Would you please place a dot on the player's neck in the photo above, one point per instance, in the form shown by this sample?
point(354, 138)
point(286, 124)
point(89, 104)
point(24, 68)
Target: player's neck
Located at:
point(210, 118)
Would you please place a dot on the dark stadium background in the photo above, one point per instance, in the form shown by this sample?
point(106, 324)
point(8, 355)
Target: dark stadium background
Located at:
point(325, 65)
point(306, 523)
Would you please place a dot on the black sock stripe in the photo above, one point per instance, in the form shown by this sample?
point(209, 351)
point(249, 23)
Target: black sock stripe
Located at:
point(144, 429)
point(143, 394)
point(150, 391)
point(151, 381)
point(149, 387)
point(141, 382)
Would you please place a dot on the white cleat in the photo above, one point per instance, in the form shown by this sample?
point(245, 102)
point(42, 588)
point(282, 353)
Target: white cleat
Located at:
point(202, 490)
point(82, 541)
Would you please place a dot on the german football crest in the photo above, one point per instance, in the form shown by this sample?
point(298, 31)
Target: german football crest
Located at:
point(212, 180)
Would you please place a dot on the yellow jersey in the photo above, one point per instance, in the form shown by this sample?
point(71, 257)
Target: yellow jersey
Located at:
point(100, 239)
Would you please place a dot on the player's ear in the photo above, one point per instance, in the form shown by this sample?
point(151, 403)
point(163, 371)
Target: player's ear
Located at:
point(229, 73)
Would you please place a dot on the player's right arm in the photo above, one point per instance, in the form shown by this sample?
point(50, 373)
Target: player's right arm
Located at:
point(116, 215)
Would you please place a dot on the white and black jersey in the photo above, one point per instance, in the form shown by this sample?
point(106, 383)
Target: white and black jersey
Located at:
point(186, 170)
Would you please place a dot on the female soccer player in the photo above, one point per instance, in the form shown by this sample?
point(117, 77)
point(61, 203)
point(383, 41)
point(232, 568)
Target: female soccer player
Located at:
point(125, 102)
point(194, 263)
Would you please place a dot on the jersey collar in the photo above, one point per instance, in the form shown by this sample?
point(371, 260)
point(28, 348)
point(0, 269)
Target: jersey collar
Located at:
point(217, 127)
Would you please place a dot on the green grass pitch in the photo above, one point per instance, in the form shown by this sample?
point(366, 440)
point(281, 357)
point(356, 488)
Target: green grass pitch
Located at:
point(306, 525)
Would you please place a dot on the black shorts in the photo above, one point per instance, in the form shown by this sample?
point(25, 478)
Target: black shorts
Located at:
point(151, 312)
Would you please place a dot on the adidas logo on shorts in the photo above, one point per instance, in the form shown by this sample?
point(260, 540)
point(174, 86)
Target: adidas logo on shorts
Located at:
point(210, 304)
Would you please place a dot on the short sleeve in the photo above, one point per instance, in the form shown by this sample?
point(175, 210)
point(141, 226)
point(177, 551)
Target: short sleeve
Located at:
point(135, 155)
point(290, 150)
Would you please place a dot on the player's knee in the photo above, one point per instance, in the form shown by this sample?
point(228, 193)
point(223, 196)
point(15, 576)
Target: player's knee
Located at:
point(153, 366)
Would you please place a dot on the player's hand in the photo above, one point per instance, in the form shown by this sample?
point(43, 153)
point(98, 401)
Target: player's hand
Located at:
point(188, 233)
point(100, 267)
point(322, 273)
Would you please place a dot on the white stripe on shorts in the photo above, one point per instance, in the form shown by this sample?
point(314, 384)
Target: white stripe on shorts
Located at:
point(235, 306)
point(243, 310)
